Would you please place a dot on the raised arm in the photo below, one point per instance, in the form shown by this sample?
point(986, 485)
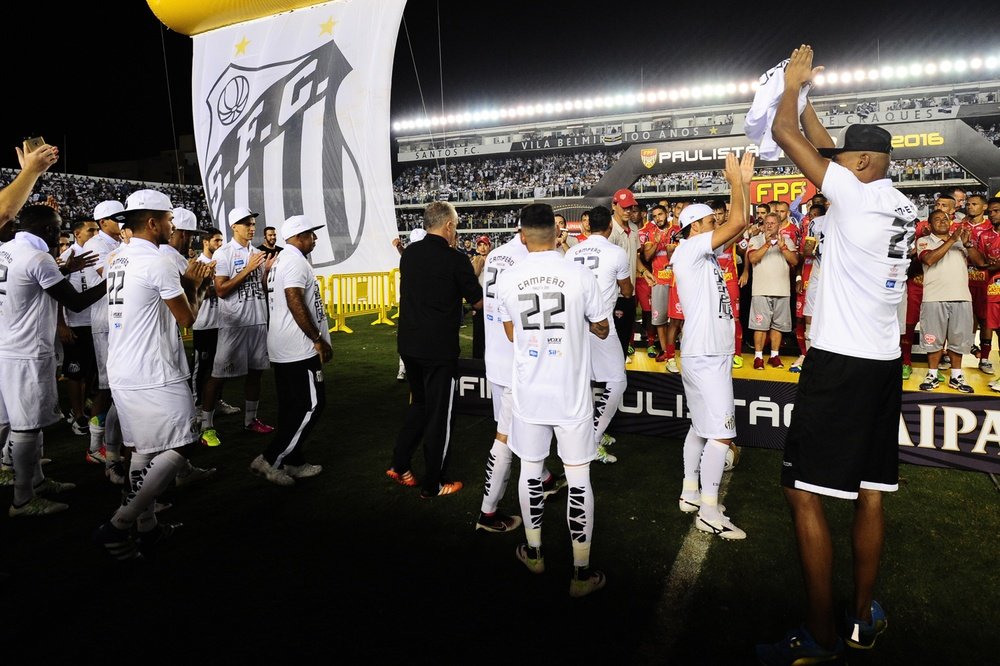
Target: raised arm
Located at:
point(33, 165)
point(738, 175)
point(785, 128)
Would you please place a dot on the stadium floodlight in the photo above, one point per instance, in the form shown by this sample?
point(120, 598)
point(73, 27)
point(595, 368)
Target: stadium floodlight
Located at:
point(731, 88)
point(902, 72)
point(976, 63)
point(832, 77)
point(662, 95)
point(960, 65)
point(991, 62)
point(873, 75)
point(887, 72)
point(945, 66)
point(673, 95)
point(754, 85)
point(608, 101)
point(587, 104)
point(915, 69)
point(696, 92)
point(558, 107)
point(579, 104)
point(930, 69)
point(860, 75)
point(744, 88)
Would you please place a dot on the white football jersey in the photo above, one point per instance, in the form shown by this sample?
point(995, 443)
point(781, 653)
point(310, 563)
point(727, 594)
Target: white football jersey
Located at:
point(709, 328)
point(499, 351)
point(550, 302)
point(607, 261)
point(286, 342)
point(174, 257)
point(27, 313)
point(80, 282)
point(208, 310)
point(102, 245)
point(144, 342)
point(867, 231)
point(247, 304)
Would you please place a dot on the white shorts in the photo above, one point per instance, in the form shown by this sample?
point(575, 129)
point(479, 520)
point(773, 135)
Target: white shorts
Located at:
point(575, 441)
point(157, 419)
point(101, 354)
point(810, 305)
point(708, 389)
point(239, 350)
point(503, 406)
point(28, 392)
point(607, 361)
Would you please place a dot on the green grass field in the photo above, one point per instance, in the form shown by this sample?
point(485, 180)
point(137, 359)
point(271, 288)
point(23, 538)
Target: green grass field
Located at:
point(349, 567)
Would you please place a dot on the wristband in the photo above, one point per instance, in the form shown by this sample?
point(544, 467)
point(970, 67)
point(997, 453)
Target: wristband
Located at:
point(798, 278)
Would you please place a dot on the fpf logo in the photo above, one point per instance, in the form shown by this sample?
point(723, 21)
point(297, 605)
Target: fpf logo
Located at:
point(648, 157)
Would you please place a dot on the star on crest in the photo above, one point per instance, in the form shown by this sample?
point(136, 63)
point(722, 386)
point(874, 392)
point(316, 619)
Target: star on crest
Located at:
point(241, 46)
point(326, 28)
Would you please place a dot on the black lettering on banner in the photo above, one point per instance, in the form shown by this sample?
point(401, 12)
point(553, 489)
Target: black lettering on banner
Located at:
point(535, 307)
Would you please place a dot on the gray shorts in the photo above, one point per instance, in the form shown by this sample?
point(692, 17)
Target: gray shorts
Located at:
point(771, 312)
point(660, 302)
point(946, 321)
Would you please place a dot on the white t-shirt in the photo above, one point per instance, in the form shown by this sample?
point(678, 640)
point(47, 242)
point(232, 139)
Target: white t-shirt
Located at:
point(144, 342)
point(550, 302)
point(208, 311)
point(286, 343)
point(79, 281)
point(864, 266)
point(607, 262)
point(948, 278)
point(247, 304)
point(499, 351)
point(175, 257)
point(102, 245)
point(27, 313)
point(709, 328)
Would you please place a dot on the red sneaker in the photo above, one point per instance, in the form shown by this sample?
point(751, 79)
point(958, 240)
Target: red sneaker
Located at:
point(758, 363)
point(661, 357)
point(259, 426)
point(775, 362)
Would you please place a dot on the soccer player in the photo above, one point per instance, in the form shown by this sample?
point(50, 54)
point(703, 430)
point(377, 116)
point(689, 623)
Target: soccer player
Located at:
point(103, 439)
point(549, 307)
point(205, 332)
point(499, 360)
point(33, 287)
point(147, 370)
point(853, 367)
point(242, 345)
point(729, 258)
point(298, 344)
point(979, 224)
point(610, 266)
point(988, 245)
point(709, 335)
point(657, 245)
point(77, 341)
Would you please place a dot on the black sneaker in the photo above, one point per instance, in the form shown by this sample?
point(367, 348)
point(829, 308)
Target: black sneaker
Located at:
point(930, 383)
point(118, 544)
point(958, 383)
point(497, 522)
point(163, 531)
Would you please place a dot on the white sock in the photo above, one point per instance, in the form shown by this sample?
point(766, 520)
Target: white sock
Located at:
point(956, 372)
point(693, 447)
point(149, 476)
point(207, 419)
point(532, 500)
point(607, 406)
point(24, 451)
point(773, 353)
point(96, 433)
point(251, 412)
point(758, 354)
point(5, 456)
point(580, 512)
point(497, 475)
point(713, 461)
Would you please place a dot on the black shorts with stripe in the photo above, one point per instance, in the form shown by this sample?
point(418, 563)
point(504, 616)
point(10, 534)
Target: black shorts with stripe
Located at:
point(844, 432)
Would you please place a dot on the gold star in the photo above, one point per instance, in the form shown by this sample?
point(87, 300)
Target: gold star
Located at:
point(241, 46)
point(713, 130)
point(326, 28)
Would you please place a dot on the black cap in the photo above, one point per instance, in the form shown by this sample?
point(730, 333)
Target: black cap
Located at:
point(862, 138)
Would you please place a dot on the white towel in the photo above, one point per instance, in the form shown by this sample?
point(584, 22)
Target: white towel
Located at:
point(759, 118)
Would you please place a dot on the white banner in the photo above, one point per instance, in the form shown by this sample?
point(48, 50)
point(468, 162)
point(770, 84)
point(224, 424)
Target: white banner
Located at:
point(291, 117)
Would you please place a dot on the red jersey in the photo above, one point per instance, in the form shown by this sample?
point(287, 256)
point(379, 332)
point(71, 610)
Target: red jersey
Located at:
point(988, 243)
point(978, 277)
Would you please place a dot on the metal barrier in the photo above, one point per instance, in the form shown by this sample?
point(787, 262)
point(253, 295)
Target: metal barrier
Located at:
point(355, 294)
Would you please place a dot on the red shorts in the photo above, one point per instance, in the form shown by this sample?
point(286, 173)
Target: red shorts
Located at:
point(914, 297)
point(643, 290)
point(674, 306)
point(978, 291)
point(734, 297)
point(993, 315)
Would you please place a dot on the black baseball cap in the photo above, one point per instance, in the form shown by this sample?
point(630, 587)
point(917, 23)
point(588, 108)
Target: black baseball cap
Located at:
point(862, 138)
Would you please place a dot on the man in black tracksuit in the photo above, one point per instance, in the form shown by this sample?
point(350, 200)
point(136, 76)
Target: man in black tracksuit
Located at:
point(434, 279)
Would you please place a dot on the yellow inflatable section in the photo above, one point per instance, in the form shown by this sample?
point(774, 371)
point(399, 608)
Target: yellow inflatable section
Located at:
point(193, 17)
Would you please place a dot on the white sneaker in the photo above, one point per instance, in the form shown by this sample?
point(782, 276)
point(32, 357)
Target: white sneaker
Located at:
point(277, 476)
point(986, 367)
point(224, 408)
point(722, 527)
point(995, 385)
point(605, 457)
point(401, 375)
point(672, 366)
point(303, 471)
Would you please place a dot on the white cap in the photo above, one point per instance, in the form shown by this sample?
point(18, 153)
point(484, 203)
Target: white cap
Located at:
point(185, 220)
point(146, 200)
point(107, 209)
point(237, 215)
point(297, 224)
point(693, 213)
point(417, 234)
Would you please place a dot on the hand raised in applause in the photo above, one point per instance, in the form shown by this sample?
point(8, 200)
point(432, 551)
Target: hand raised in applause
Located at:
point(77, 262)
